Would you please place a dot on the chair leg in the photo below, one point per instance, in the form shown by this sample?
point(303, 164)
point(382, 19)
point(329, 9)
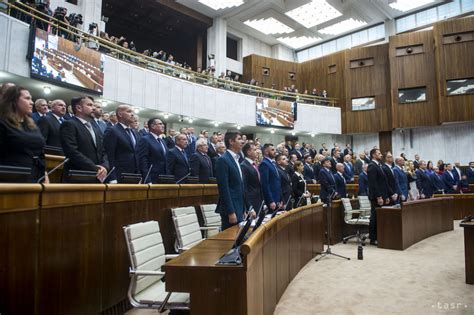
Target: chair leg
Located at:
point(345, 239)
point(165, 301)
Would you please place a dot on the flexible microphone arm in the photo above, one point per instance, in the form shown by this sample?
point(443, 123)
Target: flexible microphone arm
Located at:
point(183, 178)
point(147, 174)
point(53, 170)
point(106, 177)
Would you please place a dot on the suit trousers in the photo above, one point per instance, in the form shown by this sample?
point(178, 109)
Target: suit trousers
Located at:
point(373, 220)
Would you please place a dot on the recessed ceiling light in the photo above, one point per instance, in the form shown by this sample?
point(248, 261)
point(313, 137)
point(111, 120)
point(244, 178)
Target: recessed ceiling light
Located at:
point(269, 26)
point(105, 103)
point(293, 133)
point(272, 130)
point(46, 90)
point(238, 127)
point(342, 27)
point(221, 4)
point(297, 42)
point(312, 135)
point(314, 13)
point(136, 110)
point(166, 115)
point(216, 124)
point(407, 5)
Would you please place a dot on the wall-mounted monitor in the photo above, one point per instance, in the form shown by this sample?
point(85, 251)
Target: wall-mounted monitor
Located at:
point(63, 62)
point(276, 113)
point(363, 103)
point(460, 86)
point(412, 95)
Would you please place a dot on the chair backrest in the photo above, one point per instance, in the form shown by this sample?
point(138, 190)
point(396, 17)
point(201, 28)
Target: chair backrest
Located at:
point(364, 204)
point(146, 251)
point(188, 232)
point(346, 202)
point(211, 218)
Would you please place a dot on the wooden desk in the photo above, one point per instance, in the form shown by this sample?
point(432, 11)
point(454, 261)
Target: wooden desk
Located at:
point(51, 162)
point(399, 228)
point(272, 256)
point(463, 205)
point(469, 250)
point(351, 189)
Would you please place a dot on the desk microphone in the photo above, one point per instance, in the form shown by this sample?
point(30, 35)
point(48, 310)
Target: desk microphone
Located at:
point(183, 178)
point(147, 174)
point(287, 203)
point(53, 170)
point(111, 171)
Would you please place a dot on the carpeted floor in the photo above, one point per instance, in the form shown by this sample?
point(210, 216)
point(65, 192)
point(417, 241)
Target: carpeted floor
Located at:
point(427, 278)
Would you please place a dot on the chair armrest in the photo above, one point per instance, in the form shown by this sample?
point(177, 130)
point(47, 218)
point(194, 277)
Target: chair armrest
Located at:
point(146, 272)
point(207, 228)
point(183, 249)
point(167, 257)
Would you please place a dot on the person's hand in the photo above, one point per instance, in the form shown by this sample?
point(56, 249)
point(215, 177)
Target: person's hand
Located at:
point(46, 178)
point(394, 197)
point(422, 196)
point(101, 173)
point(403, 197)
point(273, 206)
point(380, 201)
point(387, 201)
point(232, 218)
point(455, 187)
point(253, 214)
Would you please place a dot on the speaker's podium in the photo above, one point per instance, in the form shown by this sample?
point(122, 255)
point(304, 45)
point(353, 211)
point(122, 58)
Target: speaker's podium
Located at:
point(271, 258)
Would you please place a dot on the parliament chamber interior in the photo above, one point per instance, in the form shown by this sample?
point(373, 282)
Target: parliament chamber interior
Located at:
point(236, 157)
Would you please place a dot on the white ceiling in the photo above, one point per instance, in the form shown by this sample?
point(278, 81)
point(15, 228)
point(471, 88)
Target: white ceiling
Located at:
point(370, 11)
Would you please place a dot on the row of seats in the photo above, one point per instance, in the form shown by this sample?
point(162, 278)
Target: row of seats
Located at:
point(147, 255)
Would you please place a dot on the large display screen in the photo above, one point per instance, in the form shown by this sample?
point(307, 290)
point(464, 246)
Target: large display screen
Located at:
point(67, 63)
point(275, 113)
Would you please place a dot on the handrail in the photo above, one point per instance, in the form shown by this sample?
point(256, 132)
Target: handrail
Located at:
point(150, 63)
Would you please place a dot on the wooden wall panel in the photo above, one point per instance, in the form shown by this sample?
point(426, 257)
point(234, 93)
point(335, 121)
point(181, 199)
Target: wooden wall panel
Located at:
point(454, 61)
point(365, 82)
point(278, 71)
point(409, 70)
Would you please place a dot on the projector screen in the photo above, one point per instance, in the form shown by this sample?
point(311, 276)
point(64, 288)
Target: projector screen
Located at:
point(275, 113)
point(61, 61)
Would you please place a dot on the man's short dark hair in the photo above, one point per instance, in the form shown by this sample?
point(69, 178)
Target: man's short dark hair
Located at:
point(279, 157)
point(231, 135)
point(151, 121)
point(267, 145)
point(78, 100)
point(246, 148)
point(372, 153)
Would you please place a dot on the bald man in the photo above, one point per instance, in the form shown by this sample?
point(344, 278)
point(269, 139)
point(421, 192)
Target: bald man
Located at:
point(119, 142)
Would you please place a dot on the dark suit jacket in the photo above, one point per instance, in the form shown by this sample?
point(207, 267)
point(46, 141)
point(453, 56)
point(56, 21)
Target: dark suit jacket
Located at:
point(120, 151)
point(438, 184)
point(36, 116)
point(449, 181)
point(457, 176)
point(328, 184)
point(150, 152)
point(316, 170)
point(308, 172)
point(143, 132)
point(349, 171)
point(470, 175)
point(401, 181)
point(424, 183)
point(358, 166)
point(299, 188)
point(230, 186)
point(49, 127)
point(416, 164)
point(169, 142)
point(79, 147)
point(201, 166)
point(340, 185)
point(102, 125)
point(270, 180)
point(363, 184)
point(177, 164)
point(253, 187)
point(286, 185)
point(211, 151)
point(378, 185)
point(387, 170)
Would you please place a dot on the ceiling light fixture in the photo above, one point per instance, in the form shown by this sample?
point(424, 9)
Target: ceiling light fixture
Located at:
point(104, 103)
point(136, 110)
point(216, 124)
point(166, 115)
point(342, 27)
point(272, 130)
point(407, 5)
point(190, 120)
point(269, 26)
point(314, 13)
point(293, 133)
point(238, 127)
point(46, 90)
point(298, 42)
point(312, 135)
point(221, 4)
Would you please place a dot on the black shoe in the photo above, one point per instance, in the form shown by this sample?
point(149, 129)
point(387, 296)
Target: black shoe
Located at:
point(374, 243)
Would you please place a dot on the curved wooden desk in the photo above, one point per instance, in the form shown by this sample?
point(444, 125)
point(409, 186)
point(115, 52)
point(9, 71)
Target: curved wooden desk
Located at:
point(463, 204)
point(272, 256)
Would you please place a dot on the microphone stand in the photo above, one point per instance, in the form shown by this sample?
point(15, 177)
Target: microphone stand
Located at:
point(147, 174)
point(328, 251)
point(53, 170)
point(106, 177)
point(183, 178)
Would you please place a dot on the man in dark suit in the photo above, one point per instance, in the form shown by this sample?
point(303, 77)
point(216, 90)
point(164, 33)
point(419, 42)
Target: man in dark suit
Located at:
point(152, 151)
point(416, 162)
point(98, 117)
point(285, 180)
point(231, 204)
point(169, 139)
point(308, 172)
point(143, 132)
point(438, 184)
point(251, 176)
point(366, 156)
point(363, 182)
point(348, 168)
point(470, 173)
point(323, 149)
point(50, 123)
point(120, 142)
point(177, 160)
point(335, 159)
point(270, 178)
point(41, 106)
point(327, 181)
point(457, 171)
point(200, 162)
point(388, 171)
point(340, 180)
point(449, 179)
point(348, 150)
point(380, 192)
point(297, 151)
point(358, 163)
point(82, 141)
point(212, 146)
point(401, 178)
point(424, 184)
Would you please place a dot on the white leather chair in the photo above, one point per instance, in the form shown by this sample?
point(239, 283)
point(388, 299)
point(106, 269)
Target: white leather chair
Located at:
point(364, 206)
point(188, 231)
point(147, 255)
point(359, 221)
point(211, 218)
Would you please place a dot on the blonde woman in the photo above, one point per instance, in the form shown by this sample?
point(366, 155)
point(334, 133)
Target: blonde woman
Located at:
point(413, 193)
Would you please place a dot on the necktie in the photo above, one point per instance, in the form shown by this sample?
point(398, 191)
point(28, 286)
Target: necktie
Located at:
point(132, 137)
point(208, 160)
point(61, 120)
point(91, 131)
point(160, 141)
point(256, 169)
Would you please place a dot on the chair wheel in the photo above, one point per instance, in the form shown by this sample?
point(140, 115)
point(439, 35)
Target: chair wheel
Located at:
point(363, 244)
point(344, 241)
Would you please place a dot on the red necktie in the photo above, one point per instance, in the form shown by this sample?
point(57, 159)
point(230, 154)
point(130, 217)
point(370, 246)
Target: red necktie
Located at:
point(256, 168)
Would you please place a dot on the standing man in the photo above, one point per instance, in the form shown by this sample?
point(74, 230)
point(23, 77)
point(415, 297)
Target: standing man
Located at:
point(423, 181)
point(285, 180)
point(416, 162)
point(120, 142)
point(82, 140)
point(143, 132)
point(177, 161)
point(348, 168)
point(387, 170)
point(363, 181)
point(212, 146)
point(360, 161)
point(470, 173)
point(401, 178)
point(231, 204)
point(200, 163)
point(308, 171)
point(270, 178)
point(251, 176)
point(42, 109)
point(379, 191)
point(98, 117)
point(340, 180)
point(457, 171)
point(169, 140)
point(50, 123)
point(449, 179)
point(152, 152)
point(327, 181)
